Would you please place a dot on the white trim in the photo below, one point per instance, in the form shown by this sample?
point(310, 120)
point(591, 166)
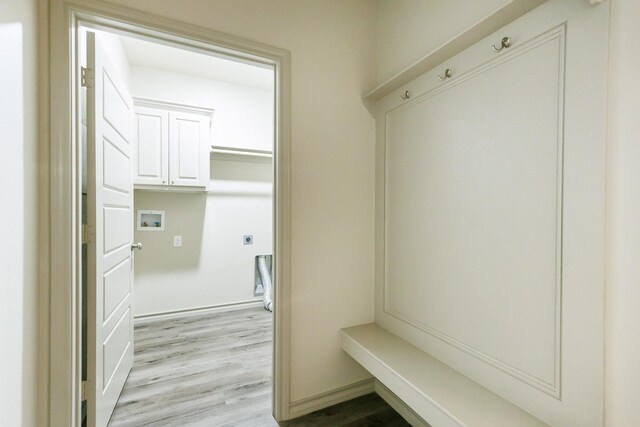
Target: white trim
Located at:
point(60, 195)
point(332, 397)
point(170, 188)
point(158, 103)
point(241, 151)
point(220, 308)
point(399, 406)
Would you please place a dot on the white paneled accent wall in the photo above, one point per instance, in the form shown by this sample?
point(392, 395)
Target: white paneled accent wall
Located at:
point(490, 213)
point(485, 211)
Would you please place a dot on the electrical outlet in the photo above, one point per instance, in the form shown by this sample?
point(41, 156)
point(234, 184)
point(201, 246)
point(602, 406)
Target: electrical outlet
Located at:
point(177, 241)
point(247, 239)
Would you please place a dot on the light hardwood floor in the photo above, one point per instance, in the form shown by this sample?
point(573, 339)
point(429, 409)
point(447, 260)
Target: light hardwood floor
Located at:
point(215, 370)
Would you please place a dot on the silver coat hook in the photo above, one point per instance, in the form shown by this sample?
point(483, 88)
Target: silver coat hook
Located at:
point(504, 44)
point(406, 95)
point(447, 74)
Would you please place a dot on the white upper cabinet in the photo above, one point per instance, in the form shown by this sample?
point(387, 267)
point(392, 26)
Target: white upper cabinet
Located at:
point(188, 149)
point(172, 146)
point(152, 146)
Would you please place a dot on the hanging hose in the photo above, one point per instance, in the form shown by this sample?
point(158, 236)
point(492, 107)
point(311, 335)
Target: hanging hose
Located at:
point(266, 282)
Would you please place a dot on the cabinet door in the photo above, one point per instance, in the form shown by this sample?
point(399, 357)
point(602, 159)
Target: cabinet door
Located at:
point(151, 163)
point(188, 149)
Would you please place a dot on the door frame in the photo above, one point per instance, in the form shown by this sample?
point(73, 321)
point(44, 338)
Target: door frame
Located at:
point(61, 185)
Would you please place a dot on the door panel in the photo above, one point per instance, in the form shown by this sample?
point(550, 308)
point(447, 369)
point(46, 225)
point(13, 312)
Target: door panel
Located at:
point(115, 346)
point(116, 287)
point(152, 146)
point(115, 164)
point(116, 227)
point(189, 149)
point(116, 108)
point(109, 213)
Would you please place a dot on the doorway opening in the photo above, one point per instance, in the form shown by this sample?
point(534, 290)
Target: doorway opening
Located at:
point(178, 150)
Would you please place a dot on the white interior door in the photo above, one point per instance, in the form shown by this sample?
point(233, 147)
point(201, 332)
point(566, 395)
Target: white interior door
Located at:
point(109, 216)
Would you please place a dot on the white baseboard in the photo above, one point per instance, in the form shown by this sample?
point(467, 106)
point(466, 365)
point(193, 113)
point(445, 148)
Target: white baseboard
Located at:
point(323, 400)
point(200, 310)
point(400, 407)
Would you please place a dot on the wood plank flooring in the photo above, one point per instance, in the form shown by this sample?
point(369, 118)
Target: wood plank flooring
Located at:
point(215, 370)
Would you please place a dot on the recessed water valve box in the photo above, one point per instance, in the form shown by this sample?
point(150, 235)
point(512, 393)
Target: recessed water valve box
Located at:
point(150, 220)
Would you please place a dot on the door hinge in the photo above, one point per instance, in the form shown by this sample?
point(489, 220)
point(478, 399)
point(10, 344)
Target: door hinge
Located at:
point(87, 233)
point(86, 77)
point(83, 390)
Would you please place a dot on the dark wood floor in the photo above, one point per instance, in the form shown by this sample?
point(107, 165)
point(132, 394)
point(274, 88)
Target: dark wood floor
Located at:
point(215, 370)
point(365, 411)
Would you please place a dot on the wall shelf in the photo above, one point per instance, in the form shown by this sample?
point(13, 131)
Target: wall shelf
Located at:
point(483, 28)
point(215, 149)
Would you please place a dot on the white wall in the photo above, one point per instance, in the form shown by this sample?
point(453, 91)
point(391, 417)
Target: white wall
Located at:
point(332, 165)
point(622, 376)
point(19, 213)
point(410, 29)
point(213, 267)
point(243, 115)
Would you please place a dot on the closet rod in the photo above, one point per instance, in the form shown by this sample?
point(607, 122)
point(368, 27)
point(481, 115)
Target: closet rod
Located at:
point(240, 151)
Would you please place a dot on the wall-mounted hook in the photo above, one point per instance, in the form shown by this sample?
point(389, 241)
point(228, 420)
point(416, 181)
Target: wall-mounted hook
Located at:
point(447, 74)
point(505, 43)
point(406, 95)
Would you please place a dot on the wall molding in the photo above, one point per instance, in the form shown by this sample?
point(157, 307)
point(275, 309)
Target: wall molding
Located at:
point(399, 406)
point(178, 106)
point(556, 34)
point(218, 308)
point(313, 403)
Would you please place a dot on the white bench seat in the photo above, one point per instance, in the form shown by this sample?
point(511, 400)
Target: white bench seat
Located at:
point(439, 394)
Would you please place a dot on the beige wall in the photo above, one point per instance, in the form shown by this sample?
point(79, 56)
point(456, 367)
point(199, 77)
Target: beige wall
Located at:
point(332, 174)
point(622, 376)
point(332, 170)
point(19, 213)
point(407, 30)
point(213, 266)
